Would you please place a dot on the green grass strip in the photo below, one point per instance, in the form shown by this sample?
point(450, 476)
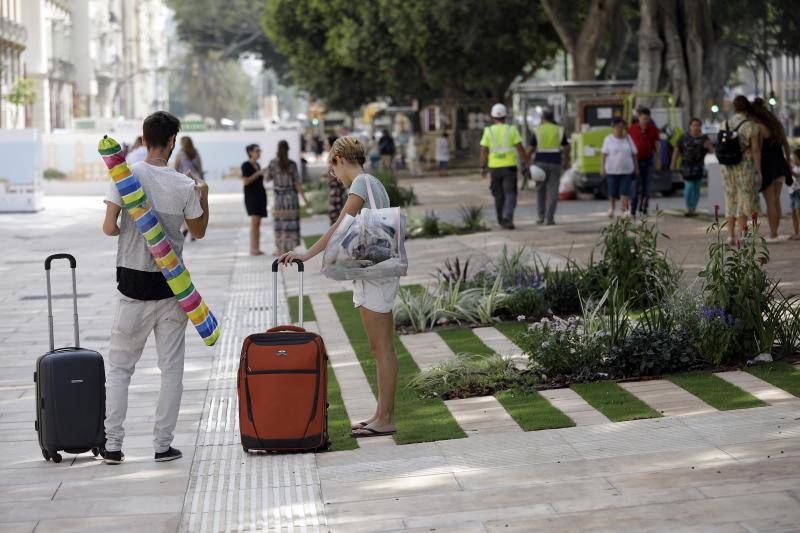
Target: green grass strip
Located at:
point(532, 411)
point(418, 420)
point(415, 288)
point(614, 401)
point(309, 240)
point(781, 374)
point(338, 421)
point(512, 329)
point(294, 311)
point(464, 340)
point(715, 391)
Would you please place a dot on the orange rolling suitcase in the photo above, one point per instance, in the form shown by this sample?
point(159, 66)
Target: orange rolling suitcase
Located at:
point(283, 386)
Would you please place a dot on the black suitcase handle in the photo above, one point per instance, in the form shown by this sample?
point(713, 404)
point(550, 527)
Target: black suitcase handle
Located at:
point(300, 269)
point(51, 258)
point(72, 265)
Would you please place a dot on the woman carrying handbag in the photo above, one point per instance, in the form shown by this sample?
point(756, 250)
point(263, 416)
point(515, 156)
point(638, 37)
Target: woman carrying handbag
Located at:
point(373, 297)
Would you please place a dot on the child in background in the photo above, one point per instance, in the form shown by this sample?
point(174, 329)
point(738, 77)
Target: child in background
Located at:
point(794, 194)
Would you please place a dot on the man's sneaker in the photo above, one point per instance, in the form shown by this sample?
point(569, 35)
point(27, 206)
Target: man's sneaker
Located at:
point(170, 455)
point(112, 458)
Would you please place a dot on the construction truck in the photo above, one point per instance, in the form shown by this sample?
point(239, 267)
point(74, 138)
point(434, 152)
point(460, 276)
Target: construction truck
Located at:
point(593, 124)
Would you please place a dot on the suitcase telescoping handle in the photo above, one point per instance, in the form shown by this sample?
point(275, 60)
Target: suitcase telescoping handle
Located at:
point(72, 265)
point(300, 269)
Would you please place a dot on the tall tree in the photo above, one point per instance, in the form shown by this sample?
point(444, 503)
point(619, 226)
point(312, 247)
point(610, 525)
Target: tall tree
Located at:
point(211, 87)
point(581, 30)
point(228, 29)
point(349, 53)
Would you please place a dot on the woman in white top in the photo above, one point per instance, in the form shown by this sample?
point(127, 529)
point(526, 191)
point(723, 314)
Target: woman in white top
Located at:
point(373, 298)
point(442, 153)
point(618, 164)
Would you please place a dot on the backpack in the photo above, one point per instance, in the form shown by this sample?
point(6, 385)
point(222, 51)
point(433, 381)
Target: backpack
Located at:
point(729, 151)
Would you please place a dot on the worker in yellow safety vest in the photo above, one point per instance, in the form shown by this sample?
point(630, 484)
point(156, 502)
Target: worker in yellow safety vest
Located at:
point(550, 151)
point(501, 143)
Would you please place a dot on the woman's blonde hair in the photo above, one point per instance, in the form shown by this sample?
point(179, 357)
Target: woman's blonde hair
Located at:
point(348, 148)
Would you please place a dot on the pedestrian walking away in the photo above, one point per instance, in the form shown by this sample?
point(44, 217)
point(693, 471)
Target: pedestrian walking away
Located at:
point(442, 153)
point(647, 138)
point(739, 178)
point(373, 298)
point(498, 145)
point(146, 303)
point(618, 164)
point(692, 149)
point(255, 196)
point(188, 162)
point(386, 149)
point(549, 148)
point(286, 206)
point(794, 194)
point(775, 163)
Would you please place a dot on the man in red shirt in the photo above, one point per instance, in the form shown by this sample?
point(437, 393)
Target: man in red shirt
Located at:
point(646, 136)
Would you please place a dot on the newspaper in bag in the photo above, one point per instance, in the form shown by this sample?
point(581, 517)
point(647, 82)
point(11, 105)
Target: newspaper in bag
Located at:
point(370, 245)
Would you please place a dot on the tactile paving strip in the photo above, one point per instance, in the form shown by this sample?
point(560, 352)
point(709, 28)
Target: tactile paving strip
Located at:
point(230, 490)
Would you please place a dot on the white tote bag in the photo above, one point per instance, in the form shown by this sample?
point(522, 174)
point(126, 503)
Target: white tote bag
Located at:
point(370, 245)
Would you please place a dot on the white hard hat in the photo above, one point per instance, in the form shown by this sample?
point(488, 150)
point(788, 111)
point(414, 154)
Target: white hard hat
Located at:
point(499, 111)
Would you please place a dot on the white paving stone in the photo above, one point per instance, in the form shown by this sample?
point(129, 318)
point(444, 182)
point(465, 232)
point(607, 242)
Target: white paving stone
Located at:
point(757, 387)
point(497, 341)
point(482, 414)
point(427, 349)
point(667, 398)
point(574, 406)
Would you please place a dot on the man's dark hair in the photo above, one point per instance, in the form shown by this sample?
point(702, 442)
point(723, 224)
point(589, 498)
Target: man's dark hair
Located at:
point(547, 114)
point(644, 111)
point(695, 119)
point(617, 120)
point(159, 127)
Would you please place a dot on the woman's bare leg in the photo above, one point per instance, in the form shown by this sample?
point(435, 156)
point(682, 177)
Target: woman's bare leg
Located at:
point(255, 235)
point(380, 331)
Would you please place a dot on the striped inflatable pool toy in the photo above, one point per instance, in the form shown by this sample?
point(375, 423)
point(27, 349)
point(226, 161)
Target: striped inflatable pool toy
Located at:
point(138, 206)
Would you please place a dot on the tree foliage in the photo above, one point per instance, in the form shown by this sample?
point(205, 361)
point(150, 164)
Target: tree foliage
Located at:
point(348, 53)
point(225, 29)
point(211, 88)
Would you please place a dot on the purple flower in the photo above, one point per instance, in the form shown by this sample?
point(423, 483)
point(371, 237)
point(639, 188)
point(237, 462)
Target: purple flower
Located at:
point(709, 314)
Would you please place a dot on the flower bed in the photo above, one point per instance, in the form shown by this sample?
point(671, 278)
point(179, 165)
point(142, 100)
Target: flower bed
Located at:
point(581, 324)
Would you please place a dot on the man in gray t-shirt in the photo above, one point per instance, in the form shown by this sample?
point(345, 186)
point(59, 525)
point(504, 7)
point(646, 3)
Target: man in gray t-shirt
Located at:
point(146, 303)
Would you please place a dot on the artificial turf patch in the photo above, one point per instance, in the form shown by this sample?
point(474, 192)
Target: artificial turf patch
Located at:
point(417, 419)
point(532, 411)
point(781, 374)
point(715, 391)
point(338, 421)
point(464, 340)
point(613, 401)
point(309, 240)
point(308, 310)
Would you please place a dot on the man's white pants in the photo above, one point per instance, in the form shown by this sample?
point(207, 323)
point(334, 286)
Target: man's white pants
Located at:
point(133, 322)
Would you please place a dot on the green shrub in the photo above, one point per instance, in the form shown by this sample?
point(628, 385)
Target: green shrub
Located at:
point(419, 310)
point(631, 256)
point(398, 196)
point(466, 375)
point(736, 282)
point(559, 347)
point(472, 218)
point(652, 353)
point(53, 174)
point(526, 302)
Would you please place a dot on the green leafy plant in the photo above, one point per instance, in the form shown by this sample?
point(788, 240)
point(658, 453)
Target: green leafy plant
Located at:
point(651, 353)
point(525, 302)
point(418, 310)
point(783, 317)
point(465, 375)
point(736, 282)
point(22, 93)
point(472, 218)
point(398, 196)
point(53, 174)
point(644, 274)
point(454, 270)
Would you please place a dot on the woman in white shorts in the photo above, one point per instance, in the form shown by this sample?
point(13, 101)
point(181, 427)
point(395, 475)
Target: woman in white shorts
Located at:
point(373, 298)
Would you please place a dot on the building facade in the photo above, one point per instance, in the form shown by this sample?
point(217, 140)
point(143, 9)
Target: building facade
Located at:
point(12, 42)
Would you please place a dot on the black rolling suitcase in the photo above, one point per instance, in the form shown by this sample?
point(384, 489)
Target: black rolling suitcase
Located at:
point(70, 389)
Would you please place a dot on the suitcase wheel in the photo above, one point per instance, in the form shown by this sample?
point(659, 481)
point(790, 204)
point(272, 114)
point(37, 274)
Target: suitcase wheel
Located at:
point(45, 454)
point(56, 457)
point(95, 451)
point(245, 448)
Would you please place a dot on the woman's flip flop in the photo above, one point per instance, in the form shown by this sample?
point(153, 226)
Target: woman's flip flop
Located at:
point(369, 432)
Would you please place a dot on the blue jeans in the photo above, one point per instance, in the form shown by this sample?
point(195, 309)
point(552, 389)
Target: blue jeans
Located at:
point(640, 190)
point(691, 193)
point(619, 185)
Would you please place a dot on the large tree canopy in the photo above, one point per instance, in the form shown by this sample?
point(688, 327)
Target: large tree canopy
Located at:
point(348, 53)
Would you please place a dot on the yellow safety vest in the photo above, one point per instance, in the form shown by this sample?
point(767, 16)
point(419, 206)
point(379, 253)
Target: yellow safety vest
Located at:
point(501, 152)
point(548, 138)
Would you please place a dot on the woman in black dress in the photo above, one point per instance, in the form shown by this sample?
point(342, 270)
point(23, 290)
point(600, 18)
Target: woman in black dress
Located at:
point(255, 197)
point(775, 168)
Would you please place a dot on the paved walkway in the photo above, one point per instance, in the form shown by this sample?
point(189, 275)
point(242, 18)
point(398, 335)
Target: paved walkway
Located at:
point(703, 470)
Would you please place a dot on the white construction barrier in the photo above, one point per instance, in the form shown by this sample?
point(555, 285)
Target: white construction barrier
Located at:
point(20, 171)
